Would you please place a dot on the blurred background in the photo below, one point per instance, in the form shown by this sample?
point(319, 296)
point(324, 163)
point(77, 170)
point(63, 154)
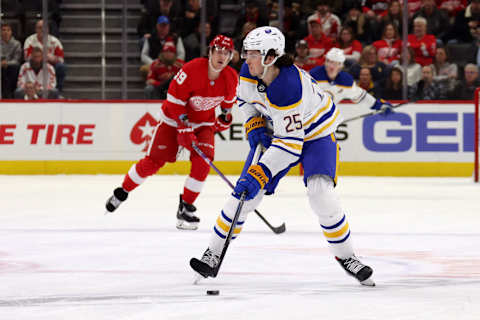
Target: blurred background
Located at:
point(119, 49)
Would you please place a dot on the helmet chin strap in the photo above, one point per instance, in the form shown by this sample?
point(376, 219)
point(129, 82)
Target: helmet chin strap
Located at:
point(266, 66)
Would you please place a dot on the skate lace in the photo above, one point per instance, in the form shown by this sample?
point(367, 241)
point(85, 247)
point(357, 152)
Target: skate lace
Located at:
point(210, 258)
point(353, 265)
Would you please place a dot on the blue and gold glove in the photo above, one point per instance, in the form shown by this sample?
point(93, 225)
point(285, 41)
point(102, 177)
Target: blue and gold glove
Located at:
point(256, 130)
point(252, 181)
point(383, 106)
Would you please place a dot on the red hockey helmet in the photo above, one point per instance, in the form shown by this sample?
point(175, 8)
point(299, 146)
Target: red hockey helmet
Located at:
point(222, 41)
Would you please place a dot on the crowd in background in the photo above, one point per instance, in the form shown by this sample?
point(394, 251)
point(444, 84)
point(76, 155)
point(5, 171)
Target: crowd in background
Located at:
point(443, 43)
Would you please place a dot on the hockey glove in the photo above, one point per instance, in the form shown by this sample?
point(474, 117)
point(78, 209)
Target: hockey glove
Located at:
point(383, 106)
point(256, 130)
point(186, 137)
point(253, 181)
point(223, 122)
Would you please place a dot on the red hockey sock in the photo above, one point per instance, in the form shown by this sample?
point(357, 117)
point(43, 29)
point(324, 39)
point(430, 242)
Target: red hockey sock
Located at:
point(189, 196)
point(139, 172)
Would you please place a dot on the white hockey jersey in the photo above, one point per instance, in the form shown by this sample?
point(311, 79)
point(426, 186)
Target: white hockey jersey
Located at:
point(296, 109)
point(343, 87)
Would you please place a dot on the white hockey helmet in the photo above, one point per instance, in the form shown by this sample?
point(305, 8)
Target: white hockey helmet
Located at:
point(264, 39)
point(336, 54)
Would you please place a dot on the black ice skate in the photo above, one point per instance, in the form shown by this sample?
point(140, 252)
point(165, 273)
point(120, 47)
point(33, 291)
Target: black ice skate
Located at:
point(186, 219)
point(358, 270)
point(119, 195)
point(206, 267)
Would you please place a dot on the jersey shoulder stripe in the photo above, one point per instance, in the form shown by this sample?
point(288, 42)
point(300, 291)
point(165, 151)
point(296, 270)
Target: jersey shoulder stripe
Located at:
point(285, 92)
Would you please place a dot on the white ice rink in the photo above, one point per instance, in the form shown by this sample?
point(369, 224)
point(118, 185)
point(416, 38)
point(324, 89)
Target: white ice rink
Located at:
point(62, 258)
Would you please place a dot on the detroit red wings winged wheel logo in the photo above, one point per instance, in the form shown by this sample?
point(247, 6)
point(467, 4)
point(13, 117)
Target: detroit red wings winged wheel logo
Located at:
point(142, 131)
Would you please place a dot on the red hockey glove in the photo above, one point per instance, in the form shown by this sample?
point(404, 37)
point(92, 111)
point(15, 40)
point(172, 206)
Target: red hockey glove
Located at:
point(186, 137)
point(223, 122)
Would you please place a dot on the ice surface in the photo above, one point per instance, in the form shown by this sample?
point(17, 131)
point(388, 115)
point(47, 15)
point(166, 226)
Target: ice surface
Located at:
point(62, 258)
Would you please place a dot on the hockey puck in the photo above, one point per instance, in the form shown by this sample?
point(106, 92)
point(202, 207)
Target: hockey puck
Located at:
point(213, 292)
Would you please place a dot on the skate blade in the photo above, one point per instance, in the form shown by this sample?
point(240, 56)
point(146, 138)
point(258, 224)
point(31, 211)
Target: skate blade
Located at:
point(183, 225)
point(368, 282)
point(197, 278)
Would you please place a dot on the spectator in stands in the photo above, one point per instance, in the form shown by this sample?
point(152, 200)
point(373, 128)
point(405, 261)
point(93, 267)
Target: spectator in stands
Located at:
point(413, 6)
point(474, 49)
point(359, 23)
point(460, 29)
point(424, 45)
point(192, 17)
point(427, 88)
point(292, 24)
point(375, 8)
point(390, 46)
point(452, 7)
point(437, 20)
point(252, 14)
point(238, 40)
point(33, 12)
point(318, 43)
point(32, 71)
point(369, 59)
point(11, 55)
point(153, 45)
point(329, 22)
point(414, 70)
point(351, 47)
point(394, 16)
point(465, 89)
point(394, 85)
point(302, 59)
point(445, 71)
point(366, 82)
point(192, 42)
point(155, 8)
point(31, 93)
point(162, 71)
point(55, 55)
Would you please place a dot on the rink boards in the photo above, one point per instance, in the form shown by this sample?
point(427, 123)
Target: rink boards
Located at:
point(421, 139)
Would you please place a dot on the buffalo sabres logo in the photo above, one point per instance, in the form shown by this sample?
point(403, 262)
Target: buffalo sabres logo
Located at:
point(261, 87)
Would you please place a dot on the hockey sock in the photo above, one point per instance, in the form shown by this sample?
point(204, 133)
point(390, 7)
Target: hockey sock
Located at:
point(338, 238)
point(139, 172)
point(224, 221)
point(192, 189)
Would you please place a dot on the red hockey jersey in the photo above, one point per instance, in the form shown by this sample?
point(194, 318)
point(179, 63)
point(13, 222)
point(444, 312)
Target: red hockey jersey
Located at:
point(388, 51)
point(424, 48)
point(193, 94)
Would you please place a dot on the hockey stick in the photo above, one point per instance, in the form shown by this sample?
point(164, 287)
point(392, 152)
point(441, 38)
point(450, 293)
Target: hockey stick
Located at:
point(277, 230)
point(375, 112)
point(201, 267)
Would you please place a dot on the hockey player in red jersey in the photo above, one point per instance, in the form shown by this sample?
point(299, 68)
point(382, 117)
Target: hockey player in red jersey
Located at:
point(188, 117)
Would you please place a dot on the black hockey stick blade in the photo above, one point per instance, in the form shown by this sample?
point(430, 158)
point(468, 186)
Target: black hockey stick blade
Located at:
point(202, 268)
point(276, 230)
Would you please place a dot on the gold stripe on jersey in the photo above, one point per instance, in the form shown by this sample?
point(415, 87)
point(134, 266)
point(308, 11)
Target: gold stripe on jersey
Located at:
point(336, 85)
point(292, 106)
point(296, 145)
point(325, 125)
point(249, 80)
point(317, 115)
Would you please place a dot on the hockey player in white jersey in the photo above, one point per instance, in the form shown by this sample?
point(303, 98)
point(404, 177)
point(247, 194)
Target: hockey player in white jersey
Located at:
point(341, 86)
point(276, 96)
